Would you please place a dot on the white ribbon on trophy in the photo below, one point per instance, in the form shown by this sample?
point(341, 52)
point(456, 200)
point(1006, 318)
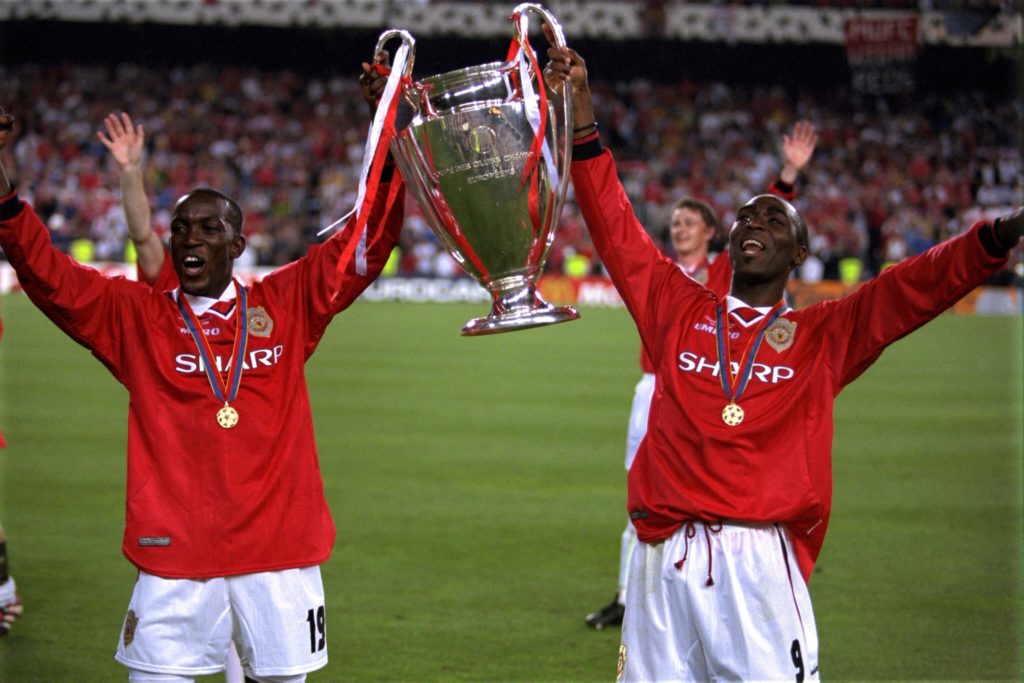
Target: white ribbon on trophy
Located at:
point(382, 129)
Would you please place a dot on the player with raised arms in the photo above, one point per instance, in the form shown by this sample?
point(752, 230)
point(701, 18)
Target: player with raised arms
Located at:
point(226, 517)
point(731, 489)
point(692, 227)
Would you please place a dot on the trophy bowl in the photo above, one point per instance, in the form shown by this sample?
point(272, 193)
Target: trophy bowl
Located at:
point(486, 156)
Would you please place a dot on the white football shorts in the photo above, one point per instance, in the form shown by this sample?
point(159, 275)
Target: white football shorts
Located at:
point(752, 623)
point(638, 412)
point(185, 626)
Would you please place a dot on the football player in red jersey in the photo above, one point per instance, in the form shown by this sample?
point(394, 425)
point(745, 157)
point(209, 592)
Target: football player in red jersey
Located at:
point(731, 488)
point(225, 512)
point(692, 227)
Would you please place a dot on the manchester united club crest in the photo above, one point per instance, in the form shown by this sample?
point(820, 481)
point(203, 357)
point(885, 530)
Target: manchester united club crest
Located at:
point(260, 324)
point(780, 335)
point(701, 275)
point(130, 623)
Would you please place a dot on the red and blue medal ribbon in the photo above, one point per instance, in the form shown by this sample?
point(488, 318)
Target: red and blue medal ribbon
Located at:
point(225, 391)
point(734, 385)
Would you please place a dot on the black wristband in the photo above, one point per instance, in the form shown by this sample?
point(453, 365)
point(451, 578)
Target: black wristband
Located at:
point(586, 127)
point(11, 205)
point(784, 187)
point(587, 148)
point(990, 241)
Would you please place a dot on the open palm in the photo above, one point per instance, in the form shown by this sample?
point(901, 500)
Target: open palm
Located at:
point(123, 139)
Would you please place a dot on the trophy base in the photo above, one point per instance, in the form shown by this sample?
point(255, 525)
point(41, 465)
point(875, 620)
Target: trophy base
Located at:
point(524, 319)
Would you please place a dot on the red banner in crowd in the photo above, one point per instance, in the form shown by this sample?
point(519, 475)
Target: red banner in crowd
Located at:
point(882, 52)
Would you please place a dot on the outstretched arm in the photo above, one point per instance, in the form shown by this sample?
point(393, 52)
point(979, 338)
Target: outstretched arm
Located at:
point(902, 298)
point(125, 142)
point(650, 283)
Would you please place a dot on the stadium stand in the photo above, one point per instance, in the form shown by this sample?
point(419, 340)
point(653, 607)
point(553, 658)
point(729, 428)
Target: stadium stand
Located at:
point(893, 174)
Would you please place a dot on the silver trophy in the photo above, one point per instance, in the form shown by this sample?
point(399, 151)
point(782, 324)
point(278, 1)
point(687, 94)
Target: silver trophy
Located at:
point(486, 155)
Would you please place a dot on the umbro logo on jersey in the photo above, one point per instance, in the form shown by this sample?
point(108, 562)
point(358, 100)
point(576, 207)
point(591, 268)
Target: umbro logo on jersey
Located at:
point(208, 331)
point(769, 374)
point(708, 325)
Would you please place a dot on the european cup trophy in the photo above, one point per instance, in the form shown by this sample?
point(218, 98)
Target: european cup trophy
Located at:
point(486, 155)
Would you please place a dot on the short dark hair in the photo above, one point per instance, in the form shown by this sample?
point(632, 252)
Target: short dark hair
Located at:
point(703, 208)
point(234, 212)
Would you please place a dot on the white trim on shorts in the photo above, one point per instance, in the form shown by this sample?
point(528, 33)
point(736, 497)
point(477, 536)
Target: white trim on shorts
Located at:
point(184, 626)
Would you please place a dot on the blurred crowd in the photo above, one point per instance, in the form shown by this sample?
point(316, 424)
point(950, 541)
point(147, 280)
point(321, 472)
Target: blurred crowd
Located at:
point(888, 179)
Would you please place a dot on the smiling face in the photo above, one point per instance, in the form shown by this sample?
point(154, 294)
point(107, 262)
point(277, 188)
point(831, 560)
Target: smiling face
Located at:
point(205, 241)
point(767, 241)
point(691, 234)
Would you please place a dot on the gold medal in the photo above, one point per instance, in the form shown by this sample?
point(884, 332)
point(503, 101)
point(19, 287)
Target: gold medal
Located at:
point(227, 417)
point(735, 382)
point(732, 414)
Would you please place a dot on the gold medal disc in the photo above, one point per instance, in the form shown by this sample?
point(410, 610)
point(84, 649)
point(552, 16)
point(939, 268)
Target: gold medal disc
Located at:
point(732, 415)
point(227, 417)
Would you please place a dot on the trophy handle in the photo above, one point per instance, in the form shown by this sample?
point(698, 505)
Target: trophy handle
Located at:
point(564, 154)
point(407, 40)
point(548, 18)
point(556, 29)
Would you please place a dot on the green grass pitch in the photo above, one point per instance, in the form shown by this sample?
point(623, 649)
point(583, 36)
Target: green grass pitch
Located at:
point(478, 490)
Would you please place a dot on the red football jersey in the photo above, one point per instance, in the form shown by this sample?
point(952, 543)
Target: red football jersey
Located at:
point(715, 272)
point(204, 501)
point(776, 465)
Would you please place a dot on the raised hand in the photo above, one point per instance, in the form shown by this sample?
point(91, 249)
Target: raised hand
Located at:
point(798, 148)
point(123, 139)
point(566, 65)
point(374, 78)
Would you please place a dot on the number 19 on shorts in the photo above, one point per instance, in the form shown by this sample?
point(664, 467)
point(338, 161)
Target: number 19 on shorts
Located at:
point(317, 620)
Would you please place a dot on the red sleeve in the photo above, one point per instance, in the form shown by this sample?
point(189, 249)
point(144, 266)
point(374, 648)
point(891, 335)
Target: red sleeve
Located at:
point(783, 189)
point(78, 299)
point(903, 298)
point(315, 283)
point(640, 272)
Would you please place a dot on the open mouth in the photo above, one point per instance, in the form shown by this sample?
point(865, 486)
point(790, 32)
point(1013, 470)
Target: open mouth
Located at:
point(192, 265)
point(752, 246)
